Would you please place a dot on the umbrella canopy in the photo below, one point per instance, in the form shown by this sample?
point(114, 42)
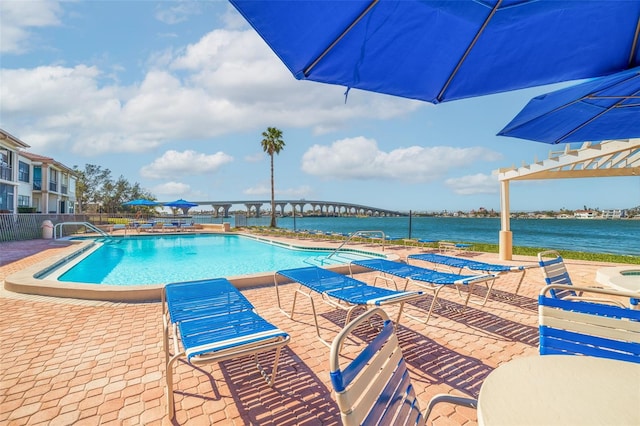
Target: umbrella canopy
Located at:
point(180, 204)
point(140, 202)
point(603, 108)
point(444, 50)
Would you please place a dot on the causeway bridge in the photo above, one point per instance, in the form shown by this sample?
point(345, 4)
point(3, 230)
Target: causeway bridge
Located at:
point(319, 208)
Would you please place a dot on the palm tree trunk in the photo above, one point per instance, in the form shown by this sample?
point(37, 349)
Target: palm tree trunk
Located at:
point(273, 198)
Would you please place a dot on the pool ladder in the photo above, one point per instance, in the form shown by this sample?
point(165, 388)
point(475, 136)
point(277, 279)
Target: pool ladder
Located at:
point(364, 234)
point(58, 229)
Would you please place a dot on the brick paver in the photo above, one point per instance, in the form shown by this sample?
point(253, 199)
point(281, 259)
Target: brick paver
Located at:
point(66, 362)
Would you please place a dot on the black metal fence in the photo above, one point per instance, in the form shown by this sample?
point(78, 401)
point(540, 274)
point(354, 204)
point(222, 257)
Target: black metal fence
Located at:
point(28, 226)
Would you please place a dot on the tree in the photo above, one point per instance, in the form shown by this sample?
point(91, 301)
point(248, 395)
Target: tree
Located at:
point(89, 186)
point(96, 190)
point(272, 143)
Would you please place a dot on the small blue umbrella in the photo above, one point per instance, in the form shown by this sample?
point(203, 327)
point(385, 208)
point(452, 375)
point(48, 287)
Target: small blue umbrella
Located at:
point(599, 109)
point(180, 204)
point(141, 202)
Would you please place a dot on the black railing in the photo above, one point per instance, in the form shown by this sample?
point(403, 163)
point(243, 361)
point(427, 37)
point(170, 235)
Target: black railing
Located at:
point(28, 226)
point(63, 189)
point(37, 185)
point(5, 172)
point(53, 186)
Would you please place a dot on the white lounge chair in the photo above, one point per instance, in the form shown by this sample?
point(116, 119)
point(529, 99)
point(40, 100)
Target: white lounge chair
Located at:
point(375, 387)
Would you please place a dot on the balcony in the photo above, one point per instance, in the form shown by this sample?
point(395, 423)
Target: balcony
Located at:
point(5, 172)
point(37, 185)
point(53, 186)
point(64, 189)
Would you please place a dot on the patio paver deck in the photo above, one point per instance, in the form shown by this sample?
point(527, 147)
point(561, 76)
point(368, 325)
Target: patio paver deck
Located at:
point(81, 362)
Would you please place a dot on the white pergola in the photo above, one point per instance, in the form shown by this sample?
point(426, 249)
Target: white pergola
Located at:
point(602, 159)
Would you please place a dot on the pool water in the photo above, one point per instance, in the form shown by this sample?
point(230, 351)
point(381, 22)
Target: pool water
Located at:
point(165, 259)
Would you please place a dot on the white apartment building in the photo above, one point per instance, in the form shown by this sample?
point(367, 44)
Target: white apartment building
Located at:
point(33, 181)
point(613, 214)
point(584, 214)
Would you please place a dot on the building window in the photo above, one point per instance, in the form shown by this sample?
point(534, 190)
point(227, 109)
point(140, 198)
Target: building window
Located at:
point(24, 201)
point(37, 178)
point(5, 165)
point(23, 171)
point(6, 198)
point(53, 180)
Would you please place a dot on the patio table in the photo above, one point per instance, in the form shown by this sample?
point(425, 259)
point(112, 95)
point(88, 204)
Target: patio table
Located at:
point(562, 390)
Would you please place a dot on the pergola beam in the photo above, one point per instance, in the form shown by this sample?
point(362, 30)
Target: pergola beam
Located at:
point(569, 174)
point(605, 159)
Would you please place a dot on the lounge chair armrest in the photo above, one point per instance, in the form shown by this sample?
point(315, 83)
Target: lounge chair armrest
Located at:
point(451, 399)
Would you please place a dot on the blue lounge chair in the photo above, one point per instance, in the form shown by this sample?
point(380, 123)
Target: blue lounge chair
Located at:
point(211, 321)
point(555, 272)
point(427, 279)
point(375, 387)
point(168, 226)
point(578, 327)
point(187, 227)
point(148, 227)
point(472, 265)
point(340, 291)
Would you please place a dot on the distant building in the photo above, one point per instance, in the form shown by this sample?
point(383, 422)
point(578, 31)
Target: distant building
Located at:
point(584, 214)
point(614, 214)
point(33, 182)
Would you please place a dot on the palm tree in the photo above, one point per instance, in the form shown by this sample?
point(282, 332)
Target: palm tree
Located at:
point(272, 143)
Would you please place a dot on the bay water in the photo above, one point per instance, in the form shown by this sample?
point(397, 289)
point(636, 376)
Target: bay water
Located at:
point(586, 235)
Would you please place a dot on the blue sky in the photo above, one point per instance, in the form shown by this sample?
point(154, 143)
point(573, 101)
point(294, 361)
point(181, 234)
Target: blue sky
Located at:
point(176, 94)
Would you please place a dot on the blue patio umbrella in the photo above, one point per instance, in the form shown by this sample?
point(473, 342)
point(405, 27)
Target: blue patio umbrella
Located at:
point(180, 204)
point(141, 202)
point(599, 109)
point(439, 51)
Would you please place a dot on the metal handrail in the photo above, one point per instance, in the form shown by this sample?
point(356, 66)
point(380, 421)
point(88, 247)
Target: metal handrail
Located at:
point(358, 234)
point(85, 224)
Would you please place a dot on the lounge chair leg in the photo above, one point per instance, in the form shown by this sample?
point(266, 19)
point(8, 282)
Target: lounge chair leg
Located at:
point(293, 305)
point(524, 272)
point(269, 378)
point(169, 382)
point(315, 320)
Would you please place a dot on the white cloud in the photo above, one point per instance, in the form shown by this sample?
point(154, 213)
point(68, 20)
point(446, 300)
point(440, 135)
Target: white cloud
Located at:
point(473, 184)
point(174, 164)
point(233, 20)
point(259, 189)
point(303, 191)
point(176, 189)
point(264, 189)
point(18, 17)
point(360, 158)
point(176, 12)
point(228, 81)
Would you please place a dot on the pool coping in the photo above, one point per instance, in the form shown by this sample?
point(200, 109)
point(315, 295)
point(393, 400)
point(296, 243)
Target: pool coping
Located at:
point(26, 281)
point(615, 277)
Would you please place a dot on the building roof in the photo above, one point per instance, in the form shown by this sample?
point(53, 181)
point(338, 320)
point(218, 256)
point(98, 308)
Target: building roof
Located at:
point(8, 137)
point(45, 160)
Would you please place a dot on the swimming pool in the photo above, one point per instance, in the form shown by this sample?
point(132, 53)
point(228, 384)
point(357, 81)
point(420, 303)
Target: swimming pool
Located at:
point(147, 260)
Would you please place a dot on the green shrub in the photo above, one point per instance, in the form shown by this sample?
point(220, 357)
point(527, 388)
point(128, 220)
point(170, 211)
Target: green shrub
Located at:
point(23, 209)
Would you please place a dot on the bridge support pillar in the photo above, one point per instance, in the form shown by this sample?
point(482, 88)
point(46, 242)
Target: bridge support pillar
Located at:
point(257, 206)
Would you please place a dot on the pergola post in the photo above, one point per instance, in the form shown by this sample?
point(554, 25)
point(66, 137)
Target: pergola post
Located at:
point(506, 237)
